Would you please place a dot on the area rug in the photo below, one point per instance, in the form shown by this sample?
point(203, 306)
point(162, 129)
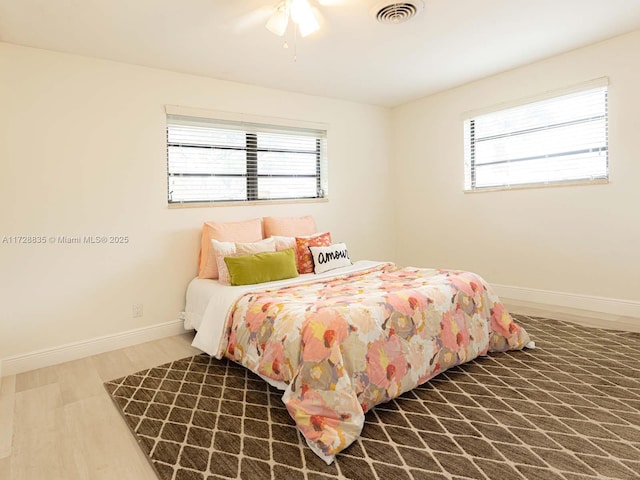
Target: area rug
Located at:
point(569, 410)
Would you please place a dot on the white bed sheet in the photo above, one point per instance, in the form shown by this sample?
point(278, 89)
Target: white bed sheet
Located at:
point(208, 303)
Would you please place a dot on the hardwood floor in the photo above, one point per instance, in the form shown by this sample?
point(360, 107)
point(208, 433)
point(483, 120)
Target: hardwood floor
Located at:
point(58, 422)
point(7, 394)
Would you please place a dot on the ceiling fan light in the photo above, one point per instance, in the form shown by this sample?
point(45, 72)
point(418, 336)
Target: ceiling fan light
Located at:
point(308, 26)
point(279, 20)
point(302, 14)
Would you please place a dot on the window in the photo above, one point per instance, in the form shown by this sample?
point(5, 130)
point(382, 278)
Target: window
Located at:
point(221, 160)
point(557, 138)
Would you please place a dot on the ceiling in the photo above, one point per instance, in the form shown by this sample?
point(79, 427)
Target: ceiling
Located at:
point(352, 57)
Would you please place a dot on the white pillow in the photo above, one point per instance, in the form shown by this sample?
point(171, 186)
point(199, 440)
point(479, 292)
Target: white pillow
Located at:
point(328, 258)
point(282, 243)
point(231, 249)
point(221, 250)
point(266, 245)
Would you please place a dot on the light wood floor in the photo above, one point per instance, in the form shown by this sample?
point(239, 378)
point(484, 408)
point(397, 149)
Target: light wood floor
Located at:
point(59, 423)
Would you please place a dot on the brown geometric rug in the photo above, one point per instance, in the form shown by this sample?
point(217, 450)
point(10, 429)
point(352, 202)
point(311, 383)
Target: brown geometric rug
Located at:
point(570, 409)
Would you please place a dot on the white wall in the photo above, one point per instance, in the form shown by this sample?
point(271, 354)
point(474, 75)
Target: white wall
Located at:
point(82, 152)
point(581, 241)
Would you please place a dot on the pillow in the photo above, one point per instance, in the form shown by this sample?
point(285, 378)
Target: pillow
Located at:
point(282, 243)
point(304, 260)
point(231, 249)
point(246, 231)
point(221, 250)
point(266, 245)
point(289, 226)
point(328, 258)
point(262, 267)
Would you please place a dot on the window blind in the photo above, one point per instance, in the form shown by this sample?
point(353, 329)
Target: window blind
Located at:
point(211, 160)
point(560, 139)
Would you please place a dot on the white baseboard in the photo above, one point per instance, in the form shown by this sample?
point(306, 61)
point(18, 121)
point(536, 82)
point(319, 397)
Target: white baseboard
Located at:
point(612, 306)
point(94, 346)
point(85, 348)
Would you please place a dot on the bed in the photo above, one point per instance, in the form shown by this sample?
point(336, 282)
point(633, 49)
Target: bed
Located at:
point(340, 342)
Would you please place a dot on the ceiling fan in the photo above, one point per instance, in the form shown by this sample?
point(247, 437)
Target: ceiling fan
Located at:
point(303, 15)
point(299, 12)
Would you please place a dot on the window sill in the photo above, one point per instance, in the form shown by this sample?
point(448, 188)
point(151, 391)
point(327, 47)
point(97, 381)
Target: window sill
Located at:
point(540, 185)
point(247, 203)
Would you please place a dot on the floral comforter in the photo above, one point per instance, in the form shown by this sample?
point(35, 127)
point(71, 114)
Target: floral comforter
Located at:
point(346, 344)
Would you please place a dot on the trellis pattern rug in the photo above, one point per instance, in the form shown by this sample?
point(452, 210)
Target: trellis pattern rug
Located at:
point(570, 410)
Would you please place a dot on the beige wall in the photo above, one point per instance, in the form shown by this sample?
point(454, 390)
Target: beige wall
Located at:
point(82, 152)
point(573, 240)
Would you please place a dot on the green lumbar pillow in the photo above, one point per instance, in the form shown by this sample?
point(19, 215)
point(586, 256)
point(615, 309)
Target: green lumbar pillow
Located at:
point(262, 267)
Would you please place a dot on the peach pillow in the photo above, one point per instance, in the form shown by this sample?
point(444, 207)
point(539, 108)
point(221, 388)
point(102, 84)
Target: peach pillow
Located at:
point(303, 255)
point(289, 226)
point(246, 231)
point(231, 249)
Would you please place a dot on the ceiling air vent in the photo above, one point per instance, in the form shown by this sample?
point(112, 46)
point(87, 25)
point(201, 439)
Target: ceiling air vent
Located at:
point(396, 12)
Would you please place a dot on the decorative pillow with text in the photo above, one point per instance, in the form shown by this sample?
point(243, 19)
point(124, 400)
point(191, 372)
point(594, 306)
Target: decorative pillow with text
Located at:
point(328, 258)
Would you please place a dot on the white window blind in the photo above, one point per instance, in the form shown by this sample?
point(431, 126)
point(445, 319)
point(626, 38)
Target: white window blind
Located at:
point(559, 139)
point(211, 160)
